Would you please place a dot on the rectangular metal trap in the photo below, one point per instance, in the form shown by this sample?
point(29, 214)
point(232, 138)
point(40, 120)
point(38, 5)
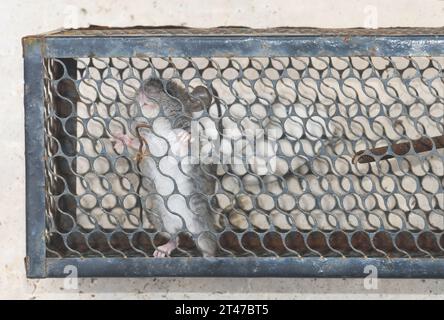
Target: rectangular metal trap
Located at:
point(235, 152)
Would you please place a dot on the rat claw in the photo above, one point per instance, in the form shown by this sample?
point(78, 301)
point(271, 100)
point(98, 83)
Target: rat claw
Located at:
point(159, 254)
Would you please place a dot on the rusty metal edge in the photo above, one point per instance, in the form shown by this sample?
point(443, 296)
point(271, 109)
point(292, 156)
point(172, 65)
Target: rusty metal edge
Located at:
point(172, 30)
point(35, 260)
point(248, 267)
point(230, 46)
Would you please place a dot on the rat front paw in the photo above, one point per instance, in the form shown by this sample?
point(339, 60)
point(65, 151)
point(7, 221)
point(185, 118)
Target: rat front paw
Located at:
point(179, 142)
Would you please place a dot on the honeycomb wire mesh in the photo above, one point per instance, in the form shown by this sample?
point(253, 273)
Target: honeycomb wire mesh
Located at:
point(307, 193)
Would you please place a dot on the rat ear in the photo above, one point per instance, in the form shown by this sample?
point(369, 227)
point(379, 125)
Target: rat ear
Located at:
point(200, 98)
point(149, 91)
point(152, 86)
point(173, 89)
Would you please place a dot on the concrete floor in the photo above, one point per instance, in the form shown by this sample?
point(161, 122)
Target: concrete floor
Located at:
point(19, 18)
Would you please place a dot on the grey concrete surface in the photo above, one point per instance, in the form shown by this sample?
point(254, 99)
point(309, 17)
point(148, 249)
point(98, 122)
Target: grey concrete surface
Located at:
point(19, 18)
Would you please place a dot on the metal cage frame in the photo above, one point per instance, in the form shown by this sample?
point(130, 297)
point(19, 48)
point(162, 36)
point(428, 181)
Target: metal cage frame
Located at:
point(96, 42)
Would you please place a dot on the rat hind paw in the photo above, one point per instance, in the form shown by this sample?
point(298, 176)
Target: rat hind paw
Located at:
point(165, 249)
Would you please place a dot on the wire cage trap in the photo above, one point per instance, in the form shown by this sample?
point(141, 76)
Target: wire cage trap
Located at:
point(235, 152)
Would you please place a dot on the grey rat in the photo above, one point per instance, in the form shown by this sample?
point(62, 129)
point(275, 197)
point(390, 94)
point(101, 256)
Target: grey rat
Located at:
point(178, 192)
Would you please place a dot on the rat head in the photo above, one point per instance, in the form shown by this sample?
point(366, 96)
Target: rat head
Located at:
point(172, 99)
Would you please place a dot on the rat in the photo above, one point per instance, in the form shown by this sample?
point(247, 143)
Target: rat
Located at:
point(179, 189)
